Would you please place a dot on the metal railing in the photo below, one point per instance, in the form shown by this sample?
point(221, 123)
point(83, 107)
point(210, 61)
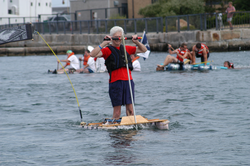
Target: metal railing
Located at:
point(179, 23)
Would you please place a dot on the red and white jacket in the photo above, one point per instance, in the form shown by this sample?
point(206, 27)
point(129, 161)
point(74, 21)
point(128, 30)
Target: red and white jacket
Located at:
point(181, 52)
point(200, 51)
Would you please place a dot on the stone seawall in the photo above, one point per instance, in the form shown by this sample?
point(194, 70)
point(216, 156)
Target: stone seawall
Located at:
point(226, 40)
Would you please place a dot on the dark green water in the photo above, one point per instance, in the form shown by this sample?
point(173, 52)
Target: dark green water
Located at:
point(209, 115)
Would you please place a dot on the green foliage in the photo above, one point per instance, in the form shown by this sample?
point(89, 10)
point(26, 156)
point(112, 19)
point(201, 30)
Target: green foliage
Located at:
point(241, 18)
point(117, 16)
point(238, 18)
point(211, 22)
point(151, 10)
point(209, 9)
point(173, 7)
point(191, 27)
point(241, 5)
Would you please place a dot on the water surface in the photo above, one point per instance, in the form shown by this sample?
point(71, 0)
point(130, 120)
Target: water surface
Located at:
point(209, 115)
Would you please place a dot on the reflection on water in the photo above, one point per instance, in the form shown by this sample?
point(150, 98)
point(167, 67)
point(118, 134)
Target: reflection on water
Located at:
point(121, 143)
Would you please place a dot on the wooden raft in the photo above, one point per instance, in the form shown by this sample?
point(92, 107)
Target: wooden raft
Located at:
point(127, 120)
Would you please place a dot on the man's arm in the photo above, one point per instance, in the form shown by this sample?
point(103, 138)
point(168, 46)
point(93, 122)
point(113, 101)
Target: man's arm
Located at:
point(193, 55)
point(141, 47)
point(96, 52)
point(184, 56)
point(86, 66)
point(204, 52)
point(170, 50)
point(64, 60)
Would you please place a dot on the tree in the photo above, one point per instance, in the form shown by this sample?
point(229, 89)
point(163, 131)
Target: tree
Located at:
point(173, 7)
point(241, 5)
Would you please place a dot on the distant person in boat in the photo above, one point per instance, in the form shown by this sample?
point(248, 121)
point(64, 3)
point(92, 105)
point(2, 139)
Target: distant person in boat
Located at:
point(135, 62)
point(119, 90)
point(85, 57)
point(200, 50)
point(71, 61)
point(182, 54)
point(228, 65)
point(89, 67)
point(230, 12)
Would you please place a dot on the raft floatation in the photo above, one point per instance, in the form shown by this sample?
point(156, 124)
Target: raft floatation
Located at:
point(181, 66)
point(128, 122)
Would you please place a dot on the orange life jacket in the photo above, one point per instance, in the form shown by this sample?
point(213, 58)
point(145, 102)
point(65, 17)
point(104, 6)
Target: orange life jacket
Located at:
point(135, 58)
point(85, 60)
point(200, 51)
point(68, 58)
point(181, 52)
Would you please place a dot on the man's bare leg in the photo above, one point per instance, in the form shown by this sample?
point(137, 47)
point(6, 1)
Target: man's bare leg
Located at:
point(230, 24)
point(168, 60)
point(129, 110)
point(117, 112)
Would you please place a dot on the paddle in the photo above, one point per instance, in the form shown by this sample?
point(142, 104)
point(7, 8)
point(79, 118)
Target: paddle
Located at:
point(202, 62)
point(130, 89)
point(188, 60)
point(125, 38)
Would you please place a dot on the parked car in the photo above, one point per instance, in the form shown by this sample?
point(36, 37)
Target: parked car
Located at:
point(59, 21)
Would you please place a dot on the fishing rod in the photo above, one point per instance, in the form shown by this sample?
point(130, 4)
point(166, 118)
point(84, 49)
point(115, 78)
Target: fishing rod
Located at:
point(130, 89)
point(65, 73)
point(118, 38)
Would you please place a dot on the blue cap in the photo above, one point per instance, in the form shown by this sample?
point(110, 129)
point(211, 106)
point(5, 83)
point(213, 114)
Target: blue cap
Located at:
point(69, 52)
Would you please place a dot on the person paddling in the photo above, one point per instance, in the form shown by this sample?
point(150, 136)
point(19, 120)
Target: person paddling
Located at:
point(89, 67)
point(119, 91)
point(85, 58)
point(182, 53)
point(71, 61)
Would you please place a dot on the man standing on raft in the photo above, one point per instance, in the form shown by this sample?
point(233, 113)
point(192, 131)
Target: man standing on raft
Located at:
point(119, 91)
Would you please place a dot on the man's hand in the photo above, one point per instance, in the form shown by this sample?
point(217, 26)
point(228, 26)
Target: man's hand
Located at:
point(134, 39)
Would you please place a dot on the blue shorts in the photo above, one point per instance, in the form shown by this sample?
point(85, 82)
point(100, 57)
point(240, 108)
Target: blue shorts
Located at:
point(119, 92)
point(90, 71)
point(201, 56)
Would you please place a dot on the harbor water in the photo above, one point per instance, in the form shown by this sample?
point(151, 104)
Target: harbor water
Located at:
point(209, 114)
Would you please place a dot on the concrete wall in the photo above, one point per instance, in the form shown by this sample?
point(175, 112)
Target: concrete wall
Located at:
point(226, 40)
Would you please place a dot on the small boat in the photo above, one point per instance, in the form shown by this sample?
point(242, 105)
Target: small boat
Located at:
point(181, 66)
point(128, 122)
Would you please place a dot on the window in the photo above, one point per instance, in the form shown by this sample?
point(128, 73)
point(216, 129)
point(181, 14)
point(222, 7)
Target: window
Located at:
point(46, 4)
point(31, 4)
point(9, 11)
point(39, 4)
point(10, 1)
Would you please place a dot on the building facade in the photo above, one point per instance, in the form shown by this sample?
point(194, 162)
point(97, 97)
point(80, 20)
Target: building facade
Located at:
point(20, 11)
point(98, 9)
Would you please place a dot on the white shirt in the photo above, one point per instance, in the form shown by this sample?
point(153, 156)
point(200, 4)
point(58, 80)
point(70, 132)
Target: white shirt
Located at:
point(100, 65)
point(74, 62)
point(136, 65)
point(91, 63)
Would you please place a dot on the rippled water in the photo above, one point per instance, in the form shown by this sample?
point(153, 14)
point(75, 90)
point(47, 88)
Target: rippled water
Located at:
point(209, 115)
